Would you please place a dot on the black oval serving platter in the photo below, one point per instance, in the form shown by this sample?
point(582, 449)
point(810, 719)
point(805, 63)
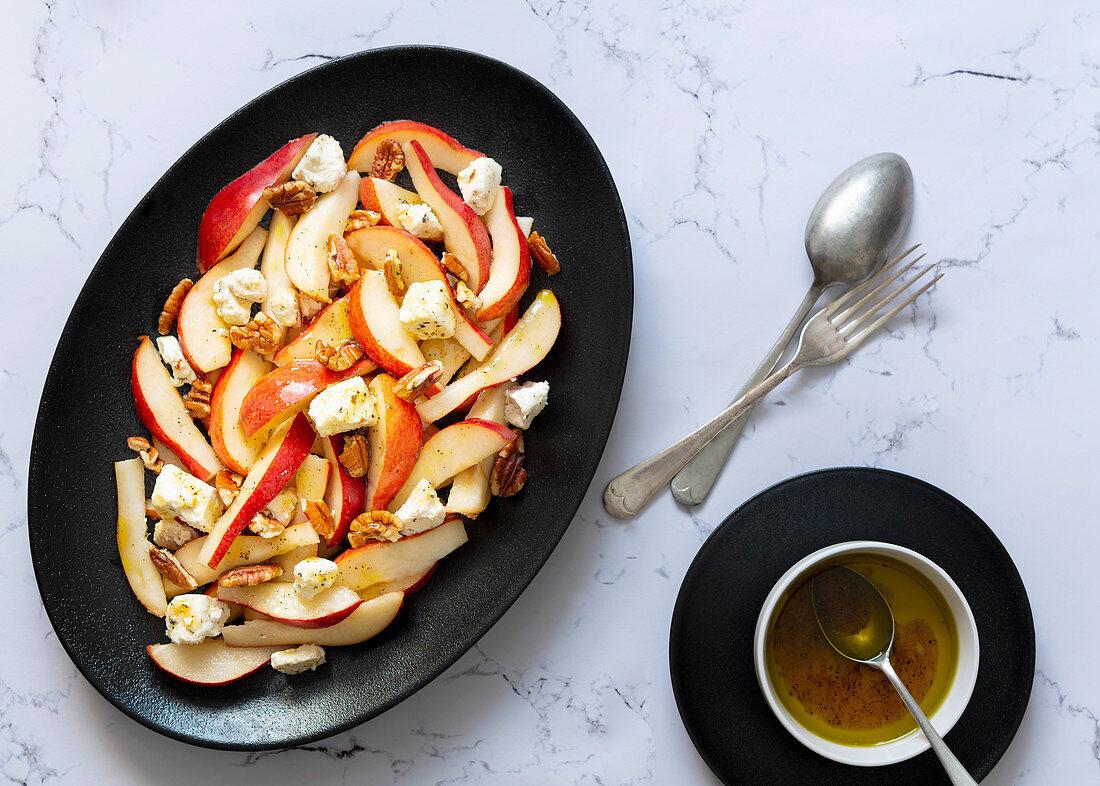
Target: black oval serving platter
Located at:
point(87, 412)
point(711, 641)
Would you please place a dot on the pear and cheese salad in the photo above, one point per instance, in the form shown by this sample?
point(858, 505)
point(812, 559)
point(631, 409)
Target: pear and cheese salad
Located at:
point(317, 385)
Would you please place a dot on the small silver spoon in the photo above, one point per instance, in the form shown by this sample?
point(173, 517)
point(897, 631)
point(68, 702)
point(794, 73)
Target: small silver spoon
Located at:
point(858, 623)
point(851, 231)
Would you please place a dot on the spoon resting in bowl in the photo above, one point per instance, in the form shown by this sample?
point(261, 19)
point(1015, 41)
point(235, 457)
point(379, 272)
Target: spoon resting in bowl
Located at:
point(858, 623)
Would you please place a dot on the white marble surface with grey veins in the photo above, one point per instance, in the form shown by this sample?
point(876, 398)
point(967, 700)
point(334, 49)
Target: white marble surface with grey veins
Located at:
point(721, 123)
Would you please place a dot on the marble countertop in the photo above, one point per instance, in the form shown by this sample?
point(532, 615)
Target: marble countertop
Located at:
point(727, 120)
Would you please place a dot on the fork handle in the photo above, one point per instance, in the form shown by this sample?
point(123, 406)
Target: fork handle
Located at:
point(628, 493)
point(693, 483)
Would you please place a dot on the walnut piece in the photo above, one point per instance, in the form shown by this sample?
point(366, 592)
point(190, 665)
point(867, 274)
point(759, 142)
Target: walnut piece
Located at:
point(172, 306)
point(249, 575)
point(292, 198)
point(150, 457)
point(339, 358)
point(262, 335)
point(413, 384)
point(197, 400)
point(355, 455)
point(320, 517)
point(168, 566)
point(341, 262)
point(374, 525)
point(391, 267)
point(542, 254)
point(361, 219)
point(389, 160)
point(228, 484)
point(508, 474)
point(454, 266)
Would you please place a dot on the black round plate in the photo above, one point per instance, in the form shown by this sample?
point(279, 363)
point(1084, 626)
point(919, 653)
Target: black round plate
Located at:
point(86, 411)
point(711, 644)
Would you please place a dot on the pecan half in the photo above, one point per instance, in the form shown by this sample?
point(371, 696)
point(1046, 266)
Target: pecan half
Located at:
point(361, 219)
point(413, 384)
point(150, 457)
point(542, 254)
point(341, 262)
point(172, 306)
point(320, 517)
point(508, 474)
point(466, 296)
point(355, 455)
point(389, 160)
point(228, 484)
point(262, 335)
point(374, 525)
point(339, 358)
point(454, 266)
point(392, 269)
point(197, 400)
point(291, 198)
point(168, 566)
point(249, 575)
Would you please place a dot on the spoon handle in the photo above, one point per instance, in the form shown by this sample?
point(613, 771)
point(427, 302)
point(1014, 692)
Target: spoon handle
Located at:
point(955, 771)
point(693, 483)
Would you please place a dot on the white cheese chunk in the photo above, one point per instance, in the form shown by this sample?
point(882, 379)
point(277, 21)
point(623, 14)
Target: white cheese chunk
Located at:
point(426, 310)
point(420, 221)
point(282, 306)
point(272, 520)
point(304, 658)
point(479, 183)
point(172, 534)
point(526, 224)
point(314, 574)
point(234, 293)
point(177, 495)
point(342, 407)
point(422, 510)
point(192, 618)
point(523, 402)
point(323, 164)
point(172, 355)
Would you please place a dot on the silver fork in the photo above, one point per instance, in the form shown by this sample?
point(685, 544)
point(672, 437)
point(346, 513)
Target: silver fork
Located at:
point(830, 335)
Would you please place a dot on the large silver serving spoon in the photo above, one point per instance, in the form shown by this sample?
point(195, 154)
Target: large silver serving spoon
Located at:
point(858, 623)
point(853, 227)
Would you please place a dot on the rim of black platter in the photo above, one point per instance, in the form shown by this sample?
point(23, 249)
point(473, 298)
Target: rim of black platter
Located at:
point(711, 639)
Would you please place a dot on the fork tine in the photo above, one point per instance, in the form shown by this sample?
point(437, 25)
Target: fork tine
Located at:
point(859, 289)
point(863, 301)
point(844, 328)
point(858, 338)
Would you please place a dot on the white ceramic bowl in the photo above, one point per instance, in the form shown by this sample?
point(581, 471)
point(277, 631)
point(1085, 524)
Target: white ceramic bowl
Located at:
point(952, 706)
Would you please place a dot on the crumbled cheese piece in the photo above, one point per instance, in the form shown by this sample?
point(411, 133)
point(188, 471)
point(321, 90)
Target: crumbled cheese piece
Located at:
point(422, 510)
point(523, 402)
point(309, 307)
point(234, 293)
point(172, 355)
point(426, 310)
point(342, 407)
point(304, 658)
point(419, 220)
point(526, 224)
point(323, 164)
point(172, 534)
point(192, 618)
point(272, 520)
point(177, 495)
point(283, 307)
point(314, 574)
point(479, 183)
point(266, 527)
